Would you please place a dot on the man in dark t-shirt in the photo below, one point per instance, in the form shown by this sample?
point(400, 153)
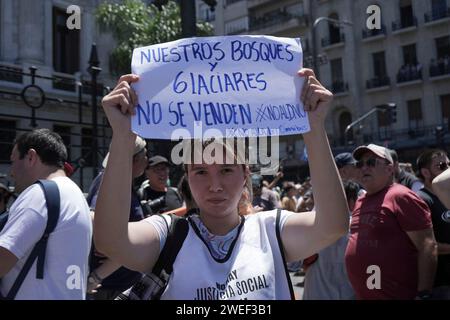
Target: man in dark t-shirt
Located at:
point(430, 164)
point(154, 193)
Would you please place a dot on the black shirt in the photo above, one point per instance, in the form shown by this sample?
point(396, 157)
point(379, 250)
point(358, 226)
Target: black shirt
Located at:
point(166, 200)
point(440, 216)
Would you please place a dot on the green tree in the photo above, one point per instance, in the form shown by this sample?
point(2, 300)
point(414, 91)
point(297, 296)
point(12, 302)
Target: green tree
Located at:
point(135, 24)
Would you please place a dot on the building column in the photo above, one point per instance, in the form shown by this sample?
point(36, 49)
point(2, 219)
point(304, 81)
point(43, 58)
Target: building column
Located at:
point(31, 31)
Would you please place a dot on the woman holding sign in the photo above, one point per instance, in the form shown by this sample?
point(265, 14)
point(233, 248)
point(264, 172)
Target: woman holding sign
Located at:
point(235, 257)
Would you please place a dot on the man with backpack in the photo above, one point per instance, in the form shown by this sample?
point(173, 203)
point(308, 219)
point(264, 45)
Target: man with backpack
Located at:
point(45, 244)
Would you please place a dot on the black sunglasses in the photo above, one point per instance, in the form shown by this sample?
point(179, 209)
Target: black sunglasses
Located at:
point(444, 165)
point(371, 162)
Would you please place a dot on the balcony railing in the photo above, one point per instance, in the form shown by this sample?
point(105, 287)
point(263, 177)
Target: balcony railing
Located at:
point(436, 15)
point(398, 25)
point(440, 67)
point(11, 73)
point(273, 18)
point(339, 87)
point(328, 41)
point(228, 2)
point(409, 72)
point(378, 82)
point(396, 136)
point(373, 32)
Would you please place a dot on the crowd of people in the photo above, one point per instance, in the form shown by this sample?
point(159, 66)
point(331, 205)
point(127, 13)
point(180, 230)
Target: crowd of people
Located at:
point(362, 226)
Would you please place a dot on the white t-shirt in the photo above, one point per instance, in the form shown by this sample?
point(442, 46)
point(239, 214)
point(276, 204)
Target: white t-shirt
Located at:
point(68, 247)
point(252, 268)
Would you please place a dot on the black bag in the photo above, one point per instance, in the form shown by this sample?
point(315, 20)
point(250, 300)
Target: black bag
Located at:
point(52, 200)
point(151, 286)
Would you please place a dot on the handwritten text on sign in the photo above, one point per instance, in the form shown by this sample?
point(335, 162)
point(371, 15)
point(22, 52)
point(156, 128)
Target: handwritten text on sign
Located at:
point(237, 85)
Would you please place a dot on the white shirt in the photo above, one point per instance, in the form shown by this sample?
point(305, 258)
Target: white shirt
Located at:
point(68, 247)
point(253, 268)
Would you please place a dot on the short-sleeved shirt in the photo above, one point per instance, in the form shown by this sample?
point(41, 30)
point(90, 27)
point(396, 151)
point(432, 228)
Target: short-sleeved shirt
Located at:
point(379, 243)
point(67, 253)
point(440, 216)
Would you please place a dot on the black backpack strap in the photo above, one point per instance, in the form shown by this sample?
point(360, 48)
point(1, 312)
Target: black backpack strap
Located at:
point(175, 237)
point(280, 244)
point(52, 200)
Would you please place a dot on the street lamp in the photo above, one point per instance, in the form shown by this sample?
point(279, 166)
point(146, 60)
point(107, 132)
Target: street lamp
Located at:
point(337, 23)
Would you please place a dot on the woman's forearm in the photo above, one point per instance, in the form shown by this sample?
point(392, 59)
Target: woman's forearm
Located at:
point(330, 202)
point(114, 199)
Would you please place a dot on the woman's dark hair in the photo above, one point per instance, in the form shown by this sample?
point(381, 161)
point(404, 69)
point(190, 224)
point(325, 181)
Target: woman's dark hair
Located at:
point(49, 146)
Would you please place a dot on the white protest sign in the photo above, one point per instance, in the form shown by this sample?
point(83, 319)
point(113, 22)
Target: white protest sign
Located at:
point(233, 86)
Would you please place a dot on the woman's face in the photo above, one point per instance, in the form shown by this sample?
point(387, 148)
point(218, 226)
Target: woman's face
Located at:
point(216, 188)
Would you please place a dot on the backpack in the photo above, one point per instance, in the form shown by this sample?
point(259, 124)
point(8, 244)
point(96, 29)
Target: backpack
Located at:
point(151, 286)
point(52, 200)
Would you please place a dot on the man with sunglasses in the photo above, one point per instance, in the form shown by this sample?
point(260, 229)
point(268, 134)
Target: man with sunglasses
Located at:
point(430, 164)
point(391, 253)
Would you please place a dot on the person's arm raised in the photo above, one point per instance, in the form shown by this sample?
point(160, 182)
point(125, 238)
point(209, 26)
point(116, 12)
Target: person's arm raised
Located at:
point(134, 245)
point(307, 233)
point(441, 187)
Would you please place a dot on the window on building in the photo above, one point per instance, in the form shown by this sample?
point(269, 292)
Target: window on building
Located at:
point(296, 9)
point(65, 133)
point(205, 13)
point(409, 54)
point(442, 47)
point(86, 146)
point(379, 65)
point(334, 31)
point(438, 7)
point(236, 26)
point(445, 107)
point(66, 44)
point(336, 70)
point(7, 136)
point(415, 117)
point(406, 13)
point(345, 118)
point(383, 119)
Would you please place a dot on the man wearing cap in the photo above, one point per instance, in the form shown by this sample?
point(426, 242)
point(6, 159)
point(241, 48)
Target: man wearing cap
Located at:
point(114, 278)
point(346, 166)
point(154, 192)
point(391, 252)
point(263, 198)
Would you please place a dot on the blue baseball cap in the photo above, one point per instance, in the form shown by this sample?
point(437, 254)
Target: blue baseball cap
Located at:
point(344, 159)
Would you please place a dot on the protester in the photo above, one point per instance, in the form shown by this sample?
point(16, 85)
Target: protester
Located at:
point(289, 201)
point(346, 166)
point(391, 252)
point(154, 193)
point(326, 278)
point(108, 278)
point(430, 164)
point(222, 246)
point(405, 178)
point(40, 154)
point(264, 199)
